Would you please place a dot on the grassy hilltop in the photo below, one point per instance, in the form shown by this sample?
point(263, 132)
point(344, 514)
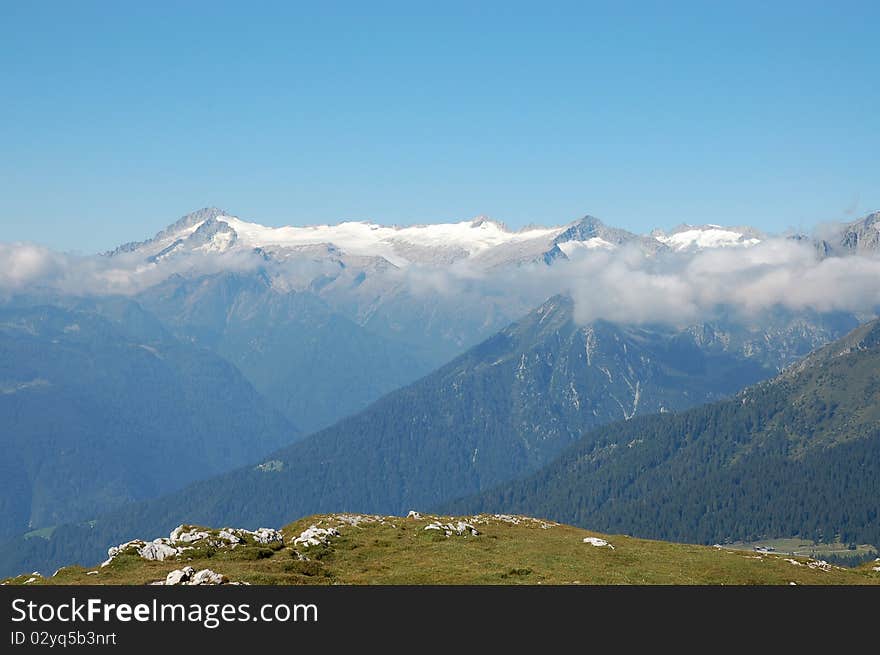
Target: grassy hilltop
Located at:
point(363, 549)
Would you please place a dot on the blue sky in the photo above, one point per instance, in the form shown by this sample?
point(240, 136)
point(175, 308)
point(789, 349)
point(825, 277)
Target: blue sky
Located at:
point(116, 118)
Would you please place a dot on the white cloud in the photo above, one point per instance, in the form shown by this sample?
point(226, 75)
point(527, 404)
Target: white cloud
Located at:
point(622, 286)
point(26, 266)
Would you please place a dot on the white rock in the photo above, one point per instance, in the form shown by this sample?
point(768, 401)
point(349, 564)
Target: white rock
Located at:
point(793, 562)
point(92, 573)
point(268, 536)
point(513, 520)
point(179, 576)
point(207, 577)
point(414, 515)
point(188, 536)
point(228, 535)
point(820, 564)
point(113, 551)
point(315, 536)
point(459, 528)
point(29, 580)
point(599, 543)
point(260, 536)
point(875, 568)
point(157, 551)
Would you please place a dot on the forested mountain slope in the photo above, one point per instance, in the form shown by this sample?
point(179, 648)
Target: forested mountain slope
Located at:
point(797, 455)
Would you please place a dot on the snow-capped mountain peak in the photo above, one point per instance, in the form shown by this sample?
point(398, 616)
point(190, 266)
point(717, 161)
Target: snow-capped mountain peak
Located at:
point(211, 230)
point(484, 241)
point(691, 237)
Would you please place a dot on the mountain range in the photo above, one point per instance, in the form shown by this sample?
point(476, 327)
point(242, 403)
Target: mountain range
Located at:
point(436, 290)
point(483, 241)
point(541, 389)
point(424, 363)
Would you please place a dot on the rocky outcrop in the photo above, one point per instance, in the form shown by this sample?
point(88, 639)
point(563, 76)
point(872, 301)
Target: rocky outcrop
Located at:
point(185, 538)
point(159, 551)
point(315, 536)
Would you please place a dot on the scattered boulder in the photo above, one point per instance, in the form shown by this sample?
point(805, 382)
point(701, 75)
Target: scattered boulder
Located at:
point(207, 577)
point(819, 564)
point(226, 534)
point(513, 520)
point(315, 536)
point(459, 528)
point(158, 551)
point(189, 576)
point(414, 515)
point(180, 533)
point(166, 547)
point(599, 543)
point(267, 536)
point(179, 576)
point(264, 536)
point(114, 551)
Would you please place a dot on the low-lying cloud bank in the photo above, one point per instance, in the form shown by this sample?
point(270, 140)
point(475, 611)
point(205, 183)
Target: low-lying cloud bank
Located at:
point(622, 286)
point(26, 266)
point(682, 289)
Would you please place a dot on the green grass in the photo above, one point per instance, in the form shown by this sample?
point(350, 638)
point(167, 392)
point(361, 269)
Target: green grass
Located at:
point(394, 550)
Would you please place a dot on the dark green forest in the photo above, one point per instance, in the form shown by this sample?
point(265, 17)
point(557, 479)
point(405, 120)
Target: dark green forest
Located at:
point(799, 455)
